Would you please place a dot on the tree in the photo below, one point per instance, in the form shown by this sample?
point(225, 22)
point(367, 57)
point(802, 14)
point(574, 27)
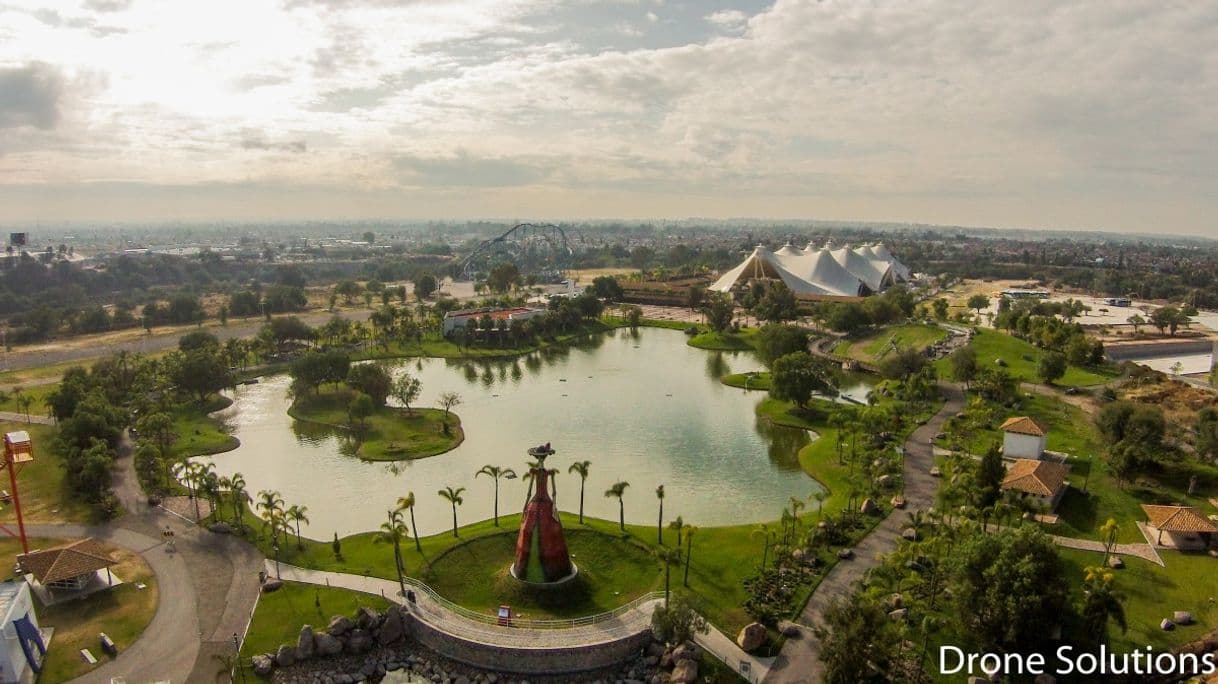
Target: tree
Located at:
point(856, 645)
point(990, 473)
point(719, 311)
point(795, 377)
point(617, 490)
point(361, 408)
point(236, 487)
point(990, 569)
point(904, 363)
point(1052, 366)
point(606, 287)
point(1207, 432)
point(660, 520)
point(1101, 603)
point(371, 379)
point(297, 514)
point(678, 526)
point(406, 389)
point(495, 472)
point(676, 622)
point(1108, 536)
point(774, 341)
point(424, 286)
point(447, 401)
point(689, 549)
point(777, 304)
point(668, 557)
point(634, 316)
point(392, 531)
point(453, 496)
point(196, 340)
point(314, 368)
point(1168, 318)
point(767, 537)
point(1137, 322)
point(581, 468)
point(201, 372)
point(348, 290)
point(270, 503)
point(964, 365)
point(978, 302)
point(406, 503)
point(940, 308)
point(503, 277)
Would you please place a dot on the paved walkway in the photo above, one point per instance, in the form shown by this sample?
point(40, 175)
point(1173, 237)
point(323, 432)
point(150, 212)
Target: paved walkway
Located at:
point(1145, 551)
point(799, 662)
point(16, 417)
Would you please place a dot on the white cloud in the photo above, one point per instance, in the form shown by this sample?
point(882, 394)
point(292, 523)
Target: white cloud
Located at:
point(728, 19)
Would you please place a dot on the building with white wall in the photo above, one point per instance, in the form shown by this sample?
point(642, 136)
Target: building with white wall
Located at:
point(24, 648)
point(1023, 437)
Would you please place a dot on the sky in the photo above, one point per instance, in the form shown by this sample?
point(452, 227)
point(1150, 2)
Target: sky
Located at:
point(1093, 114)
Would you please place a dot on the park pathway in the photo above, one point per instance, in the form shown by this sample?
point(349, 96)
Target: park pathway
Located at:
point(799, 662)
point(15, 417)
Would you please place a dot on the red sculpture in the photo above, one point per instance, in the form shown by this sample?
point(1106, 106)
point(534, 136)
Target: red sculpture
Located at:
point(541, 548)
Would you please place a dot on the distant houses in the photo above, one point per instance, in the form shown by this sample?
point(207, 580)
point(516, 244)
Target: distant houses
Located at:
point(455, 319)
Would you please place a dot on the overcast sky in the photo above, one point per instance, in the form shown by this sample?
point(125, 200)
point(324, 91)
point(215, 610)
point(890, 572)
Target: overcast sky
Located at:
point(1098, 114)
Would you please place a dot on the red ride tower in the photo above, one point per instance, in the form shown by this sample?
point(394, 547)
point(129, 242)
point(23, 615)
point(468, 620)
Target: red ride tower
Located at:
point(541, 548)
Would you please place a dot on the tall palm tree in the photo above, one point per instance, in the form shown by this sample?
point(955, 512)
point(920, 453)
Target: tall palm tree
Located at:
point(689, 549)
point(581, 467)
point(453, 497)
point(201, 474)
point(677, 525)
point(495, 472)
point(660, 520)
point(820, 495)
point(669, 556)
point(1101, 603)
point(297, 514)
point(270, 503)
point(762, 530)
point(392, 531)
point(406, 503)
point(618, 489)
point(236, 486)
point(797, 505)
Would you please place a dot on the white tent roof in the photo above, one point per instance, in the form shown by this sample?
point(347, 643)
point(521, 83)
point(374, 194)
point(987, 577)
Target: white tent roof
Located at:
point(875, 273)
point(843, 272)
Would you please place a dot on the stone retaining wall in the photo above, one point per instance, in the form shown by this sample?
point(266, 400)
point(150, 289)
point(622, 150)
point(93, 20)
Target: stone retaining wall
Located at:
point(520, 660)
point(1122, 351)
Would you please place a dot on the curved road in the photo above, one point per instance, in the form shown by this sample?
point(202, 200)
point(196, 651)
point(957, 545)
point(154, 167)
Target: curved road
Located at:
point(799, 662)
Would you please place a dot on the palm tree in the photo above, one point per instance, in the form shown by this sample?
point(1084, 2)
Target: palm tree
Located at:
point(453, 497)
point(797, 505)
point(236, 486)
point(392, 531)
point(762, 530)
point(406, 503)
point(495, 472)
point(23, 403)
point(669, 556)
point(1108, 535)
point(203, 474)
point(618, 489)
point(297, 514)
point(820, 495)
point(689, 547)
point(660, 521)
point(677, 525)
point(581, 467)
point(1101, 603)
point(270, 502)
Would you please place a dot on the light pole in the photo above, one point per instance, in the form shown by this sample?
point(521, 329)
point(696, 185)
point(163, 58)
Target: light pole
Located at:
point(237, 656)
point(277, 575)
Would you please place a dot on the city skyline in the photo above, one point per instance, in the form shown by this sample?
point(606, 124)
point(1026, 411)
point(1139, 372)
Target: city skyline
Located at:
point(1029, 115)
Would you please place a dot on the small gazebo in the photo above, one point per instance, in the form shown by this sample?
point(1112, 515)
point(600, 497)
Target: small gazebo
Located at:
point(69, 571)
point(1186, 528)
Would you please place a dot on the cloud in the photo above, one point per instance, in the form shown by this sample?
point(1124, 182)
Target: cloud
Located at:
point(30, 96)
point(729, 20)
point(108, 5)
point(254, 140)
point(464, 169)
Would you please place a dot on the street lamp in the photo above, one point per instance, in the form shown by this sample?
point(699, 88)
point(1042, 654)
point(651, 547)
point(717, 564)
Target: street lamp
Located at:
point(276, 547)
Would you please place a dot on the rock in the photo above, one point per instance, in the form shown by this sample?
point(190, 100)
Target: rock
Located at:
point(392, 629)
point(845, 553)
point(1000, 363)
point(898, 614)
point(1182, 617)
point(651, 661)
point(909, 534)
point(271, 585)
point(1114, 561)
point(359, 641)
point(898, 502)
point(685, 672)
point(869, 507)
point(789, 629)
point(656, 649)
point(1167, 625)
point(340, 625)
point(751, 637)
point(1045, 678)
point(883, 481)
point(221, 528)
point(286, 656)
point(935, 472)
point(366, 617)
point(305, 643)
point(895, 601)
point(263, 665)
point(327, 645)
point(798, 555)
point(685, 651)
point(1213, 553)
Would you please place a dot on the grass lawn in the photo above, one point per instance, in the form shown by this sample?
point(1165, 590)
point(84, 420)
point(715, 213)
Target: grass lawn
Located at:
point(391, 434)
point(759, 380)
point(612, 570)
point(38, 399)
point(197, 433)
point(725, 341)
point(122, 612)
point(280, 614)
point(436, 346)
point(1022, 357)
point(45, 496)
point(874, 346)
point(1189, 582)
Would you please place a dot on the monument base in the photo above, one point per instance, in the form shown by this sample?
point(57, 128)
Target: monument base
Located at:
point(545, 585)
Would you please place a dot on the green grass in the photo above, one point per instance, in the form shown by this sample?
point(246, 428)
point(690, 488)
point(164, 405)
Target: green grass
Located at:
point(875, 345)
point(391, 434)
point(434, 345)
point(751, 381)
point(613, 570)
point(1021, 359)
point(1189, 582)
point(280, 614)
point(45, 496)
point(122, 612)
point(36, 393)
point(725, 341)
point(197, 433)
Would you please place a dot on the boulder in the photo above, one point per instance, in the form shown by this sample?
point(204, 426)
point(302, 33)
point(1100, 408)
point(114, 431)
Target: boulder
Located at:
point(327, 645)
point(263, 664)
point(285, 656)
point(305, 643)
point(340, 625)
point(271, 585)
point(366, 617)
point(909, 534)
point(685, 672)
point(751, 637)
point(1167, 625)
point(798, 555)
point(1114, 561)
point(221, 528)
point(1182, 617)
point(898, 614)
point(869, 507)
point(392, 629)
point(898, 502)
point(894, 601)
point(788, 628)
point(359, 641)
point(685, 651)
point(884, 481)
point(845, 553)
point(935, 472)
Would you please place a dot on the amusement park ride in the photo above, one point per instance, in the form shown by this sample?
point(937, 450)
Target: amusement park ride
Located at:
point(18, 451)
point(540, 248)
